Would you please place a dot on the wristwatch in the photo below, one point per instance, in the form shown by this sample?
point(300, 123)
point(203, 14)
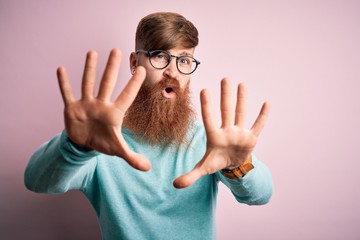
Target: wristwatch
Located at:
point(239, 171)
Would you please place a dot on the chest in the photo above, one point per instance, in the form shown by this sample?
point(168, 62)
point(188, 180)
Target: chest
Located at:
point(121, 183)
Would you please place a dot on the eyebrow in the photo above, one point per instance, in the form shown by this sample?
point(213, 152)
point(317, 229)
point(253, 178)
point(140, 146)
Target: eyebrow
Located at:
point(185, 54)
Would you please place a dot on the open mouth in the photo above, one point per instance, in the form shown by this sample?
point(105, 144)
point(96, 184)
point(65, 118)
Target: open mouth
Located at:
point(168, 92)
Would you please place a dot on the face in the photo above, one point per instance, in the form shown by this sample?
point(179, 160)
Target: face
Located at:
point(161, 112)
point(154, 76)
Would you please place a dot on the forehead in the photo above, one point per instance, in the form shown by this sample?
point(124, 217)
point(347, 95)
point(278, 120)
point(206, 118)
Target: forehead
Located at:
point(181, 51)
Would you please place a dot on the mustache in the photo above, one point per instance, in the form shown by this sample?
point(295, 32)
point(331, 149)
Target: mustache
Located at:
point(167, 83)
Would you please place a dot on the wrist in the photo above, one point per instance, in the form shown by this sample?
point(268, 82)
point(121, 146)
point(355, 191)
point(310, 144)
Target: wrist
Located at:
point(240, 171)
point(78, 147)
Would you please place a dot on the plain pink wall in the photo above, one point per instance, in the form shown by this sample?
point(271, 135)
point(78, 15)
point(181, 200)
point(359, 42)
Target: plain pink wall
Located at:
point(302, 56)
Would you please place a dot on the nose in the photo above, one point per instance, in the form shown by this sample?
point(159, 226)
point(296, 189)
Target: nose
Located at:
point(171, 70)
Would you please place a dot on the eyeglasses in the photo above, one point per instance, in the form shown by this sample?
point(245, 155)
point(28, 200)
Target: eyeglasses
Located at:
point(160, 59)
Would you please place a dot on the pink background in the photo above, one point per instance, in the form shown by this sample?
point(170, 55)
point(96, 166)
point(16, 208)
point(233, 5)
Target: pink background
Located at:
point(302, 56)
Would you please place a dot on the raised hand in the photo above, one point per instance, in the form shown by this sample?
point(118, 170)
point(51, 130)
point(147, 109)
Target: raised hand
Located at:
point(231, 144)
point(94, 122)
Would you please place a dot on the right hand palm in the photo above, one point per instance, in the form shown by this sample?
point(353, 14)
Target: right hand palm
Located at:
point(95, 122)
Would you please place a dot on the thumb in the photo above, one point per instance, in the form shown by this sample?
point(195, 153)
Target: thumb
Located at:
point(137, 161)
point(207, 165)
point(134, 159)
point(189, 178)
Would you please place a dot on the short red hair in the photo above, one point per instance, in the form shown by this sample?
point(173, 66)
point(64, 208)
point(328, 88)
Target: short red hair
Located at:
point(164, 31)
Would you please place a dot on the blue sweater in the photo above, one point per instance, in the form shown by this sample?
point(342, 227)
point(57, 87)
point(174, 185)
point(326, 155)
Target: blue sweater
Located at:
point(131, 204)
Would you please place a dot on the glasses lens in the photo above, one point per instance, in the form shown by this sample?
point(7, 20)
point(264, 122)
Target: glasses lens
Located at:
point(159, 59)
point(186, 64)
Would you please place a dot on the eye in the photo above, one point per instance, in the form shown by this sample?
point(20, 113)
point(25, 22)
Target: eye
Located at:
point(160, 56)
point(185, 61)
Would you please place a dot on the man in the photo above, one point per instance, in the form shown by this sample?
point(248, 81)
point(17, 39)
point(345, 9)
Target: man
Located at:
point(131, 156)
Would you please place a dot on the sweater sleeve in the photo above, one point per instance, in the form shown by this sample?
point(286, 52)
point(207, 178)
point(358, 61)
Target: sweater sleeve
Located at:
point(58, 166)
point(255, 188)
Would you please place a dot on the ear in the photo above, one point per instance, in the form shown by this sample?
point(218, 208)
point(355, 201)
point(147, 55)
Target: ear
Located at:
point(133, 61)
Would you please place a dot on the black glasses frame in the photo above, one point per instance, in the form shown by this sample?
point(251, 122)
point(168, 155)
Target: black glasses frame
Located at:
point(150, 53)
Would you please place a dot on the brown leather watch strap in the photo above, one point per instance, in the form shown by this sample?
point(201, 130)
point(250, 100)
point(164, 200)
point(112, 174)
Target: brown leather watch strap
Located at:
point(240, 171)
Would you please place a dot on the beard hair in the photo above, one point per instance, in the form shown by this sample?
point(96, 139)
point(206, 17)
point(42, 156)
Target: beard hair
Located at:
point(159, 120)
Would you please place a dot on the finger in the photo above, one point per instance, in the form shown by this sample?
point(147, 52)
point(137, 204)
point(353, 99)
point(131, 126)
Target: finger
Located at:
point(206, 111)
point(110, 75)
point(137, 161)
point(189, 178)
point(89, 76)
point(65, 87)
point(261, 119)
point(209, 164)
point(134, 159)
point(240, 116)
point(227, 111)
point(128, 94)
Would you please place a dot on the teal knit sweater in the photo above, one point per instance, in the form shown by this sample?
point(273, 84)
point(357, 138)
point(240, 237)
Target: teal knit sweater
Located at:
point(131, 204)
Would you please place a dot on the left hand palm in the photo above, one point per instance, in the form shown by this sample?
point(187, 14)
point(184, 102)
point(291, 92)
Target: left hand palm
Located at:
point(231, 144)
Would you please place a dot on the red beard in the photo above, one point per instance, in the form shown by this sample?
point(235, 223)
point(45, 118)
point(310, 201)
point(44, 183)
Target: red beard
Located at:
point(159, 120)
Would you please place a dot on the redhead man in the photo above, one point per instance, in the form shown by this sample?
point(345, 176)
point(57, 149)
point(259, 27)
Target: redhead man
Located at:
point(149, 169)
